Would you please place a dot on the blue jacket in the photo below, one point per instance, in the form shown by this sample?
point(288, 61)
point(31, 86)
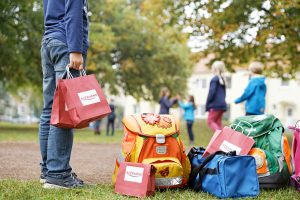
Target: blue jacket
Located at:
point(254, 95)
point(216, 95)
point(189, 111)
point(165, 105)
point(67, 21)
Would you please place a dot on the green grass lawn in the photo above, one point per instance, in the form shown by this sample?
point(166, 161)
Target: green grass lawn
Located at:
point(19, 133)
point(13, 189)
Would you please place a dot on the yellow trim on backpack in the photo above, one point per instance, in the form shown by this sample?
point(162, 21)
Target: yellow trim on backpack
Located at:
point(158, 160)
point(138, 148)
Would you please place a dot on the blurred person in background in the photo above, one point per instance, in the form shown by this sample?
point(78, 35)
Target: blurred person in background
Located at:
point(189, 115)
point(165, 102)
point(111, 119)
point(96, 127)
point(255, 92)
point(215, 103)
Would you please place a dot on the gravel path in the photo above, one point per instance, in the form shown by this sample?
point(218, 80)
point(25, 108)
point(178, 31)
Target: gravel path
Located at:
point(94, 163)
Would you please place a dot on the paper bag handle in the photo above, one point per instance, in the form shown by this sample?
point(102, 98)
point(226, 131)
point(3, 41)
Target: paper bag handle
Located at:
point(69, 74)
point(296, 127)
point(235, 126)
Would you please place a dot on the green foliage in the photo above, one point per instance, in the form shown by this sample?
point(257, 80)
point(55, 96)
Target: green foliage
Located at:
point(130, 49)
point(145, 54)
point(20, 38)
point(239, 31)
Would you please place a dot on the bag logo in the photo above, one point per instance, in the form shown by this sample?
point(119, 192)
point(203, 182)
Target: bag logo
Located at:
point(89, 97)
point(134, 174)
point(164, 172)
point(227, 147)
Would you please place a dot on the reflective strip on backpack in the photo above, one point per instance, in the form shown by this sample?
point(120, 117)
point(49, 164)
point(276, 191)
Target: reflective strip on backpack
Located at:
point(280, 163)
point(168, 182)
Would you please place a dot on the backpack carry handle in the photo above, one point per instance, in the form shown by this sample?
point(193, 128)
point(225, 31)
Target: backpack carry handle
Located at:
point(235, 126)
point(194, 152)
point(198, 169)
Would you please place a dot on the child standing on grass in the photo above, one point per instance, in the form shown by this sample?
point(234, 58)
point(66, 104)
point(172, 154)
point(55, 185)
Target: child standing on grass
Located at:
point(215, 103)
point(189, 116)
point(65, 42)
point(255, 92)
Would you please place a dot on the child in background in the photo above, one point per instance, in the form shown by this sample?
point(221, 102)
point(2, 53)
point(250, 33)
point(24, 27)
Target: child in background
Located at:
point(111, 119)
point(215, 103)
point(189, 116)
point(255, 92)
point(164, 101)
point(97, 127)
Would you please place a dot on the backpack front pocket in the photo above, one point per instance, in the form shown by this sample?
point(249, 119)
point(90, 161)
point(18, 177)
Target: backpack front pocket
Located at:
point(169, 171)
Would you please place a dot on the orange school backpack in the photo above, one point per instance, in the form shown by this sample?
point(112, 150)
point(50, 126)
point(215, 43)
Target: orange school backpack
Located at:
point(154, 139)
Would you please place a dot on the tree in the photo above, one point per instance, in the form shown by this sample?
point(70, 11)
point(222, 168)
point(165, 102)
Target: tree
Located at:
point(238, 31)
point(129, 46)
point(20, 39)
point(145, 55)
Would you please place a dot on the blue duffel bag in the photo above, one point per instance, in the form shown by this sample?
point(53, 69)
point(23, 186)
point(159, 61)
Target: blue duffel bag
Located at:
point(224, 175)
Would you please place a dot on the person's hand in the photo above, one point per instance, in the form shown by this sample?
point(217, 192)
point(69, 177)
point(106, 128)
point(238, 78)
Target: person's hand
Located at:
point(76, 61)
point(178, 97)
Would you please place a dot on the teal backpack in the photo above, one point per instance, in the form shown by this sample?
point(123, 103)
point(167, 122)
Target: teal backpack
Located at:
point(271, 149)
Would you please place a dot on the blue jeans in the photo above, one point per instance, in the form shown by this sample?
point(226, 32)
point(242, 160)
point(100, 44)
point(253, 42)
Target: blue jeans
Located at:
point(55, 143)
point(110, 122)
point(189, 124)
point(97, 126)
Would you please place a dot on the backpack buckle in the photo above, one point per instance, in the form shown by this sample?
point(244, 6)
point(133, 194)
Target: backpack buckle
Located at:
point(160, 139)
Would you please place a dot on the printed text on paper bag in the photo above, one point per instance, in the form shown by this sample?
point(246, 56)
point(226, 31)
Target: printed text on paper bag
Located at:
point(227, 147)
point(89, 97)
point(134, 174)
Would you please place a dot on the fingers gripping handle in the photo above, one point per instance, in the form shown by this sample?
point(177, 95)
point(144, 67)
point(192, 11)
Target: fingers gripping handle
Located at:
point(69, 74)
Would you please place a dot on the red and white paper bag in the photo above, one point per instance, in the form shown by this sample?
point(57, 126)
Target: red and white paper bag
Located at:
point(77, 102)
point(135, 179)
point(228, 140)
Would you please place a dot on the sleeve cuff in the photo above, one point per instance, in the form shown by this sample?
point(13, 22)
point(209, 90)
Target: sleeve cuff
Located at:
point(75, 50)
